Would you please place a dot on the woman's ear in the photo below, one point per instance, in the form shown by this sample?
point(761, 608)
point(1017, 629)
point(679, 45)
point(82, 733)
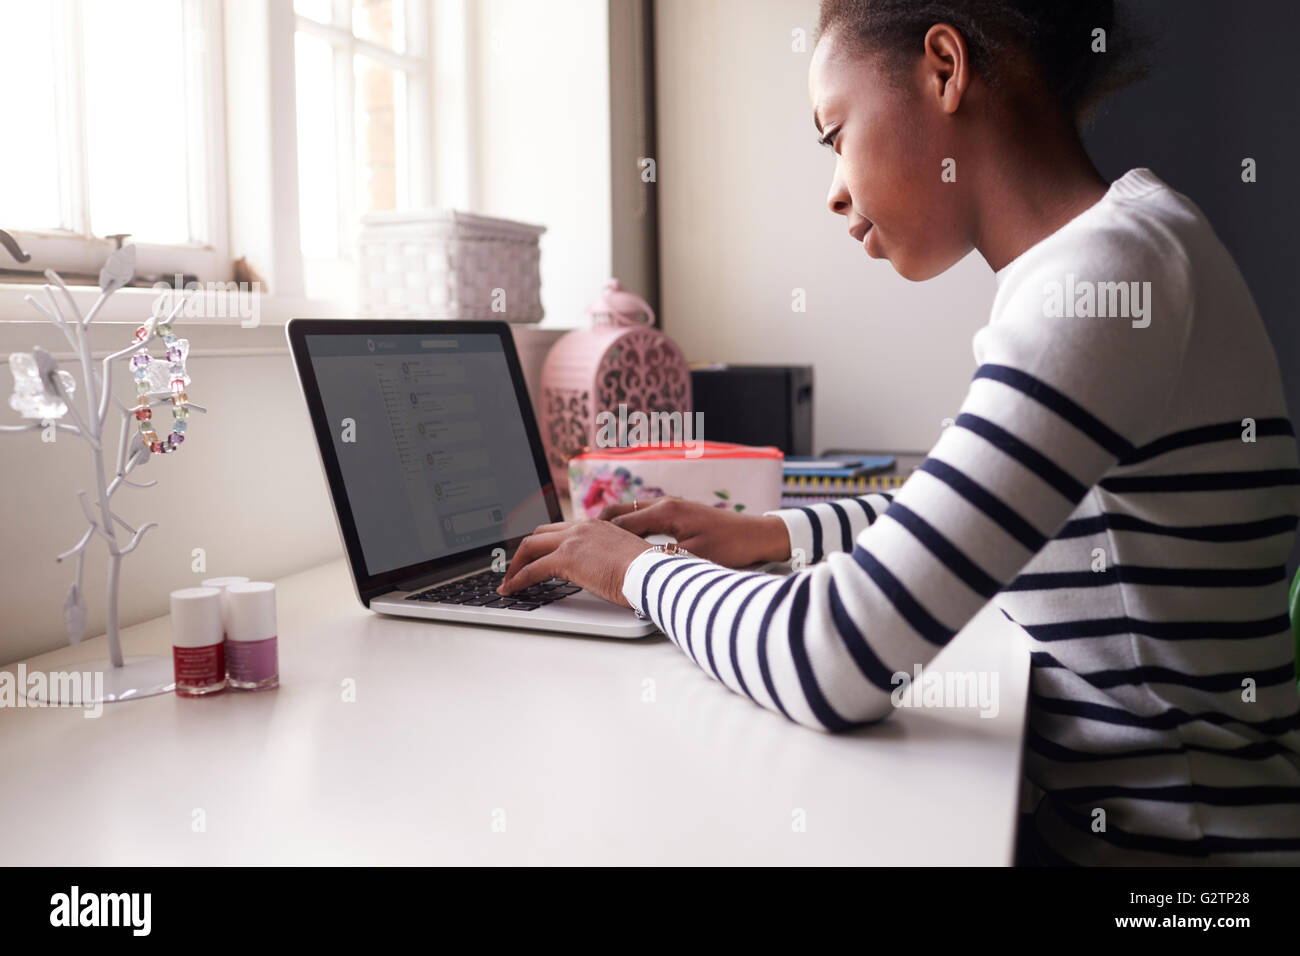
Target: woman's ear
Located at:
point(946, 66)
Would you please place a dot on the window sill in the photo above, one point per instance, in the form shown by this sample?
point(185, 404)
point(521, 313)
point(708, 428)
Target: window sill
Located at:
point(136, 305)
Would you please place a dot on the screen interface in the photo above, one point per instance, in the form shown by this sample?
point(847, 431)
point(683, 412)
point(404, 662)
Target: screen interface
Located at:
point(431, 443)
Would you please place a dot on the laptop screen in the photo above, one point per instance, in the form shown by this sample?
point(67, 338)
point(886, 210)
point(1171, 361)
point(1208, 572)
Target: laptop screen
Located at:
point(431, 443)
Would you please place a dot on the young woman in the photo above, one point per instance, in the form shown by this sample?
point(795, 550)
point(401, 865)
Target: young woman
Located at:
point(1121, 480)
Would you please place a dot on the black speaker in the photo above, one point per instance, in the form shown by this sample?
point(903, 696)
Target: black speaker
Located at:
point(756, 404)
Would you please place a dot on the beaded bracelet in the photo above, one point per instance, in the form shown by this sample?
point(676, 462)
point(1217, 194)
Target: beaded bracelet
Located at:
point(179, 378)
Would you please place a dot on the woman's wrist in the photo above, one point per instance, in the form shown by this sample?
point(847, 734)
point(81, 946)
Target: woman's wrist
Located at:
point(774, 539)
point(670, 548)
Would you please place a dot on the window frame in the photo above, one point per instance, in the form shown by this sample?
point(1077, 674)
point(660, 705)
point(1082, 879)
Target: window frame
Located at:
point(71, 248)
point(414, 146)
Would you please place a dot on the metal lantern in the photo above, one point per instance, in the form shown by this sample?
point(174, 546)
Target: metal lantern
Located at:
point(621, 360)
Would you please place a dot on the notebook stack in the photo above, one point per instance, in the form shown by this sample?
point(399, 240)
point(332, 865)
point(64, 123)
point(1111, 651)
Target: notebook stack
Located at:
point(807, 480)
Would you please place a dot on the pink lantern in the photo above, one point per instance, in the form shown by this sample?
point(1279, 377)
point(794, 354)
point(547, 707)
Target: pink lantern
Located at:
point(622, 360)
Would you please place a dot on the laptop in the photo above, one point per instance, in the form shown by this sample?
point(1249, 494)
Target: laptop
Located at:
point(436, 471)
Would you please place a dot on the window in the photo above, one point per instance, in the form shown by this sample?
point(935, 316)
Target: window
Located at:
point(114, 125)
point(120, 119)
point(361, 82)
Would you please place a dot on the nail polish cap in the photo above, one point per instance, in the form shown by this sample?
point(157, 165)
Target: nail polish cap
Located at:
point(196, 617)
point(221, 584)
point(252, 611)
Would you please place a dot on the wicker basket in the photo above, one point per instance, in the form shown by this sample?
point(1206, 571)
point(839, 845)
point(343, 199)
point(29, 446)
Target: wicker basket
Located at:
point(444, 264)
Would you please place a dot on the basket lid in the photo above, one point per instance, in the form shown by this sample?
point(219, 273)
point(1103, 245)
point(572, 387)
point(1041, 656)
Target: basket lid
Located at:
point(710, 450)
point(451, 218)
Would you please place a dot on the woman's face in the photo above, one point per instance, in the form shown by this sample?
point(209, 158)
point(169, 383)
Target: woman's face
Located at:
point(891, 136)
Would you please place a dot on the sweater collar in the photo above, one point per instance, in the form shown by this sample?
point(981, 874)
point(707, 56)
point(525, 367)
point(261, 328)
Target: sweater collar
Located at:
point(1132, 185)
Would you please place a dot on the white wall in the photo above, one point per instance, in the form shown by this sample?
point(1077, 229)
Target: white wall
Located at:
point(245, 487)
point(742, 200)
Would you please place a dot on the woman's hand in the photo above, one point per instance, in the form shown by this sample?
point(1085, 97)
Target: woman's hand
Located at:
point(593, 554)
point(724, 537)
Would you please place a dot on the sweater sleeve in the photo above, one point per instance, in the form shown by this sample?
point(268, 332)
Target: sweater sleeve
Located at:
point(825, 526)
point(1055, 403)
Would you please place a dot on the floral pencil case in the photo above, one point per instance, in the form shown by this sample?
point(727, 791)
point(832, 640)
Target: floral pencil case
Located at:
point(741, 478)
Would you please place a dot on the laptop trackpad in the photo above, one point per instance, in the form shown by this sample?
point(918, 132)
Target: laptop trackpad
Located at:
point(586, 600)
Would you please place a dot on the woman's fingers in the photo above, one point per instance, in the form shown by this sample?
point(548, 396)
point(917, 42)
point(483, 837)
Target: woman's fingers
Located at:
point(592, 554)
point(553, 526)
point(610, 512)
point(531, 549)
point(535, 571)
point(657, 517)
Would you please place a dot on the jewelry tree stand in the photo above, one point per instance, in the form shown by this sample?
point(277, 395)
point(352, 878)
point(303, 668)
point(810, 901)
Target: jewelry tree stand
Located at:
point(45, 392)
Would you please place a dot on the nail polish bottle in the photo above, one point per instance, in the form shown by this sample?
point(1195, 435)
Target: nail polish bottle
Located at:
point(221, 584)
point(252, 639)
point(198, 647)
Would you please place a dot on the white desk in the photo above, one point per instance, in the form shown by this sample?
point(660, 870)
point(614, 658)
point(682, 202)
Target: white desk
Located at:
point(452, 724)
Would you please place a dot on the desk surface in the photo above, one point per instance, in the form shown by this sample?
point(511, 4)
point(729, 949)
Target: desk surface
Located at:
point(587, 750)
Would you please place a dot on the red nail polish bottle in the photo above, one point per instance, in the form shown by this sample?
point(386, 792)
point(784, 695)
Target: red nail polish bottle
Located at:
point(198, 642)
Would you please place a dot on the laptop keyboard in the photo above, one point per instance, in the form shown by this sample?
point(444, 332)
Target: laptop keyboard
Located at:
point(480, 590)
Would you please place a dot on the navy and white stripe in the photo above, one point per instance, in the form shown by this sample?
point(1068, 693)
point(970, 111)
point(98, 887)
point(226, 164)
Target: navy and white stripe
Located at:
point(1097, 487)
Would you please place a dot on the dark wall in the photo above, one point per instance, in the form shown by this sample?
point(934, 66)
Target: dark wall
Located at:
point(1222, 87)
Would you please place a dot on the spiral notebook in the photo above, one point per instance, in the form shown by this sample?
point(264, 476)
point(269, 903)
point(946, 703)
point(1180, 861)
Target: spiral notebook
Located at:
point(842, 475)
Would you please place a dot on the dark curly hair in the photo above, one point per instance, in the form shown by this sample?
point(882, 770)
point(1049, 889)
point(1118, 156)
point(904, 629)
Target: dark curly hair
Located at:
point(1056, 36)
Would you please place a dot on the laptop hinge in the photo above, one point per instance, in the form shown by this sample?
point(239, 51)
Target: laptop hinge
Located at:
point(415, 584)
point(442, 574)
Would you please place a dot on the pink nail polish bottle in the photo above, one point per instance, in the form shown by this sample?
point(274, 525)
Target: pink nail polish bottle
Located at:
point(198, 647)
point(253, 655)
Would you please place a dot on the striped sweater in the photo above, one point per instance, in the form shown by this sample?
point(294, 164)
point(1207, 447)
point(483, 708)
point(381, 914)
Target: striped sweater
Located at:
point(1122, 481)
